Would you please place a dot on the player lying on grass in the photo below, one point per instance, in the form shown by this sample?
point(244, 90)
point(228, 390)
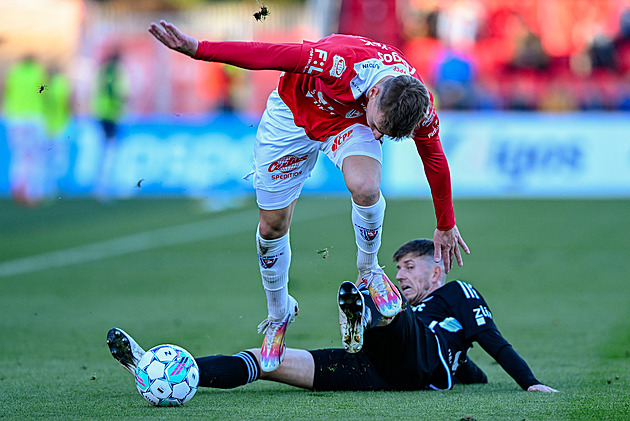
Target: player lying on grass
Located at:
point(340, 95)
point(422, 347)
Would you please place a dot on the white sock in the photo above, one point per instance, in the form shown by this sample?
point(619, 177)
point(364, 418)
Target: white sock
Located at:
point(367, 222)
point(274, 259)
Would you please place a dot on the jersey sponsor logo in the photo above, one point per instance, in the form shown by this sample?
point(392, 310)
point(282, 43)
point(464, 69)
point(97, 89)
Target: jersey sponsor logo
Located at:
point(320, 102)
point(370, 43)
point(429, 118)
point(268, 261)
point(355, 85)
point(317, 59)
point(370, 66)
point(368, 234)
point(395, 58)
point(339, 140)
point(287, 163)
point(451, 324)
point(353, 114)
point(399, 69)
point(436, 128)
point(481, 313)
point(338, 67)
point(469, 291)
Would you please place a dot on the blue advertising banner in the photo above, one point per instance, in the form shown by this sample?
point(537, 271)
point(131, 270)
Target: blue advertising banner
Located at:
point(490, 155)
point(524, 155)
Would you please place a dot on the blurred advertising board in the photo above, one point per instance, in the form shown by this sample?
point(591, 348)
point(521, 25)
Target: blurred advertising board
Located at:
point(490, 155)
point(524, 155)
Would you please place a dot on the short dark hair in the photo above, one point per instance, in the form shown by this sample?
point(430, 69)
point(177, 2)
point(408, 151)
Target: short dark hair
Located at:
point(404, 102)
point(418, 248)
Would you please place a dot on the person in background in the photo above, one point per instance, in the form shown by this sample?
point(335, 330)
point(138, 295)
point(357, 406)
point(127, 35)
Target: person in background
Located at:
point(109, 101)
point(25, 86)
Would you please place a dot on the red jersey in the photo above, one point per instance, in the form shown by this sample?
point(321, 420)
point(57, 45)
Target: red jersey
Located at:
point(325, 83)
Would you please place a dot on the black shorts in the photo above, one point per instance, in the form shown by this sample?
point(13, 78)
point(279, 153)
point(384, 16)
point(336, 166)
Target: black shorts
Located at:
point(335, 369)
point(405, 355)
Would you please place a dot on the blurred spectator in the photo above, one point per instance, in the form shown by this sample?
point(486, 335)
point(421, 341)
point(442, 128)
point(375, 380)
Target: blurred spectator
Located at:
point(58, 111)
point(454, 79)
point(57, 103)
point(108, 102)
point(25, 86)
point(458, 23)
point(529, 53)
point(601, 52)
point(622, 43)
point(233, 89)
point(110, 95)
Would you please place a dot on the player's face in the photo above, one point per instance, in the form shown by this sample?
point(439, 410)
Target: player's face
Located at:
point(417, 277)
point(373, 114)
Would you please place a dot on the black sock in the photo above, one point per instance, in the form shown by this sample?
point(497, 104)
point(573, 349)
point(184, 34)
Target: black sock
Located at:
point(228, 371)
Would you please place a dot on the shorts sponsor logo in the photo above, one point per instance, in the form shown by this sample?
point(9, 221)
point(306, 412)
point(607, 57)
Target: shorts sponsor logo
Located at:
point(340, 139)
point(368, 234)
point(286, 176)
point(338, 67)
point(287, 163)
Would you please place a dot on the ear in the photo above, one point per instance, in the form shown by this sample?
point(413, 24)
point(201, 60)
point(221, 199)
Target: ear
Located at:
point(436, 274)
point(373, 91)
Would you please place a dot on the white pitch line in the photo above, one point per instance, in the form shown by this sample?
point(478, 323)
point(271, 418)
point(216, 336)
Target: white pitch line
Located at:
point(197, 231)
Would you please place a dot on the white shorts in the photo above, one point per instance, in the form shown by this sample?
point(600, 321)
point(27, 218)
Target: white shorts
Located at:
point(284, 156)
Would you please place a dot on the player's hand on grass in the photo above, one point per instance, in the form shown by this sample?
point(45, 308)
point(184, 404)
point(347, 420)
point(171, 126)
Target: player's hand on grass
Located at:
point(173, 38)
point(540, 388)
point(447, 245)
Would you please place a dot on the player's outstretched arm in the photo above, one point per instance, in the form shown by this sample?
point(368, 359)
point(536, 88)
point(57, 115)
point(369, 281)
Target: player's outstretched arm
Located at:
point(169, 35)
point(447, 245)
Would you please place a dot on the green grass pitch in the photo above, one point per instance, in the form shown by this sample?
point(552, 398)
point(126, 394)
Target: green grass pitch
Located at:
point(555, 273)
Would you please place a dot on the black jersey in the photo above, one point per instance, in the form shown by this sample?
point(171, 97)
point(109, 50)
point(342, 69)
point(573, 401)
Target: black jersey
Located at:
point(460, 311)
point(459, 315)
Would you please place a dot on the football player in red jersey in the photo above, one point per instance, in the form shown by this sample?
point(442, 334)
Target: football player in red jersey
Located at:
point(340, 95)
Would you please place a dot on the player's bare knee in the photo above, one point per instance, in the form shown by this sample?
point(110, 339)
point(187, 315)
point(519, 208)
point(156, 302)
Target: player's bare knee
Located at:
point(365, 195)
point(272, 229)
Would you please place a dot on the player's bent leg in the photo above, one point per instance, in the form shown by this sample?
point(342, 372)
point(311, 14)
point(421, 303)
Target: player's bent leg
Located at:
point(228, 371)
point(274, 223)
point(385, 295)
point(297, 369)
point(367, 222)
point(353, 317)
point(124, 349)
point(274, 258)
point(273, 348)
point(362, 175)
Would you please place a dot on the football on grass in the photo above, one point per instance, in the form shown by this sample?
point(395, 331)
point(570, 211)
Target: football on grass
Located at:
point(167, 375)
